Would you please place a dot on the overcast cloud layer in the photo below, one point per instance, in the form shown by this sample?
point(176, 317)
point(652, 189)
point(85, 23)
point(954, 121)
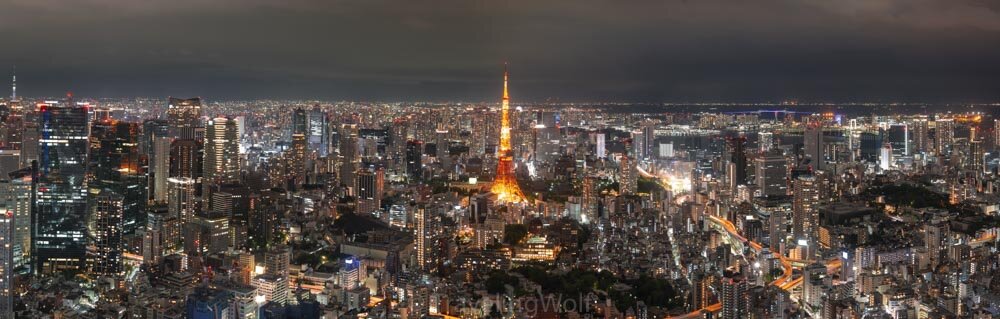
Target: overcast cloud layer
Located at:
point(579, 50)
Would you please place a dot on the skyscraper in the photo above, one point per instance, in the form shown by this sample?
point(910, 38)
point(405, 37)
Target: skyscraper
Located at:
point(813, 148)
point(159, 165)
point(297, 158)
point(371, 181)
point(59, 230)
point(738, 162)
point(222, 152)
point(805, 215)
point(116, 165)
point(350, 157)
point(319, 131)
point(181, 201)
point(184, 117)
point(16, 197)
point(414, 164)
point(109, 219)
point(300, 121)
point(772, 173)
point(735, 301)
point(7, 242)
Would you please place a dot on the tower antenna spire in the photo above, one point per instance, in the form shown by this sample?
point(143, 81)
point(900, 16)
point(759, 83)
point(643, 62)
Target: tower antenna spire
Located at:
point(13, 84)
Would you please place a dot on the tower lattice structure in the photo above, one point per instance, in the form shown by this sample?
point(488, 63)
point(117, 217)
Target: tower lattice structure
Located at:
point(505, 185)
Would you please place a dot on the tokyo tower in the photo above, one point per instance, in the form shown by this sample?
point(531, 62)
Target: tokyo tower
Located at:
point(505, 185)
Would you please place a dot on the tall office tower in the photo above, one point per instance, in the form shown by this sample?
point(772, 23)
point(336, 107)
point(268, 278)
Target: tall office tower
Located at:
point(420, 236)
point(222, 152)
point(116, 165)
point(187, 160)
point(109, 217)
point(805, 215)
point(181, 200)
point(16, 197)
point(350, 157)
point(813, 148)
point(898, 135)
point(370, 185)
point(152, 128)
point(638, 144)
point(441, 143)
point(735, 300)
point(772, 173)
point(414, 161)
point(738, 162)
point(777, 230)
point(765, 141)
point(628, 183)
point(300, 121)
point(600, 146)
point(944, 134)
point(397, 141)
point(297, 158)
point(7, 242)
point(184, 117)
point(885, 157)
point(871, 143)
point(59, 232)
point(590, 196)
point(159, 165)
point(276, 262)
point(319, 131)
point(978, 156)
point(648, 128)
point(505, 184)
point(153, 240)
point(920, 132)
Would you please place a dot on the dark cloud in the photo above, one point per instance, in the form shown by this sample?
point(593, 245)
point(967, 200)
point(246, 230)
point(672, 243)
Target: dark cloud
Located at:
point(638, 50)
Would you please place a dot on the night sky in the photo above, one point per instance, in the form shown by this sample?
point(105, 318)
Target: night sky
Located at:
point(580, 50)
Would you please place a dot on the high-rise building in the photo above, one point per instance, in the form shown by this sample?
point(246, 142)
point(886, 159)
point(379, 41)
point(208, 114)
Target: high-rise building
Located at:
point(944, 135)
point(184, 117)
point(159, 166)
point(738, 162)
point(222, 152)
point(813, 146)
point(276, 261)
point(109, 217)
point(398, 140)
point(319, 131)
point(7, 265)
point(59, 232)
point(16, 197)
point(370, 185)
point(600, 146)
point(772, 173)
point(920, 132)
point(187, 161)
point(300, 121)
point(805, 213)
point(414, 162)
point(898, 135)
point(297, 158)
point(116, 165)
point(350, 157)
point(420, 236)
point(181, 200)
point(735, 300)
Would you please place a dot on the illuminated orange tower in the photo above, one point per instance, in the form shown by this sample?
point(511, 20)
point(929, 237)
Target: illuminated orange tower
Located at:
point(505, 185)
